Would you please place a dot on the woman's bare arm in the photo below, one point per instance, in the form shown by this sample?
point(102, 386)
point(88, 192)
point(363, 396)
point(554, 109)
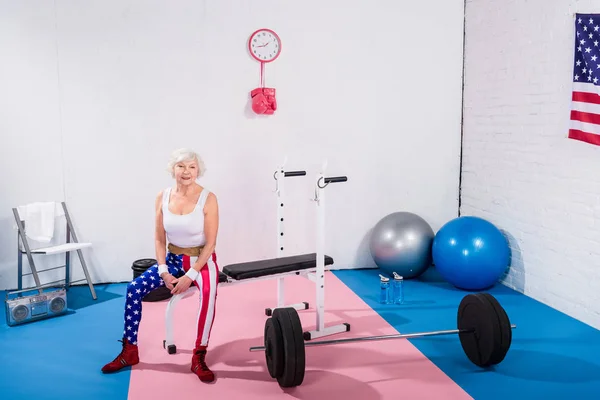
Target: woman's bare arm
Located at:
point(159, 234)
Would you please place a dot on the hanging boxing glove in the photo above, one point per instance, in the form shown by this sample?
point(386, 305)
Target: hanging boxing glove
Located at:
point(260, 105)
point(269, 94)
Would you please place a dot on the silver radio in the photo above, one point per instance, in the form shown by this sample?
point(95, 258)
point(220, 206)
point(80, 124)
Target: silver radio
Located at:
point(35, 307)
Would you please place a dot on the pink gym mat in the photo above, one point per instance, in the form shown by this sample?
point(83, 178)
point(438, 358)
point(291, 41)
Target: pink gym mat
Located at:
point(360, 370)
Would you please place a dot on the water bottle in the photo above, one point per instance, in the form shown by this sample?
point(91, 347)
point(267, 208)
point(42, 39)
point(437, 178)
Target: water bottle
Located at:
point(384, 285)
point(398, 289)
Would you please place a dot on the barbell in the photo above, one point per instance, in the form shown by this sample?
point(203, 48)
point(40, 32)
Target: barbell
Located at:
point(484, 331)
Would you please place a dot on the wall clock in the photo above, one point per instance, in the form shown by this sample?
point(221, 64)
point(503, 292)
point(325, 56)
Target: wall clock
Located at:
point(264, 45)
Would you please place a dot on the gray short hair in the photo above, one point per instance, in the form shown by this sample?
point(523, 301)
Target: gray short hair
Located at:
point(184, 154)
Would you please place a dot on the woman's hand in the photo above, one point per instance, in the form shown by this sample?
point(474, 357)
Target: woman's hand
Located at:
point(169, 280)
point(182, 284)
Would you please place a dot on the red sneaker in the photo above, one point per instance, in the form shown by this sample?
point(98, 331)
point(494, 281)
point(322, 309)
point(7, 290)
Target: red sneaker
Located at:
point(128, 356)
point(199, 366)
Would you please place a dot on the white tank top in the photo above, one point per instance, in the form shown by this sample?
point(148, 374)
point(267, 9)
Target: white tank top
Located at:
point(185, 230)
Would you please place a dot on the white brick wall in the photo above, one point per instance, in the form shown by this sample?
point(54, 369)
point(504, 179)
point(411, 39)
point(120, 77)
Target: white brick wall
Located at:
point(519, 169)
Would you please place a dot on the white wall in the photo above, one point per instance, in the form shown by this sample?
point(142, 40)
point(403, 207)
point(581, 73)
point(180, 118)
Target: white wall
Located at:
point(374, 87)
point(30, 127)
point(519, 169)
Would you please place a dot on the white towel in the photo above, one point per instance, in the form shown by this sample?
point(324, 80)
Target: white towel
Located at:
point(39, 220)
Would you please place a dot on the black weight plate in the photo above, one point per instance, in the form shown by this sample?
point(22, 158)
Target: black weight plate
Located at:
point(505, 333)
point(273, 348)
point(143, 264)
point(497, 335)
point(158, 294)
point(477, 315)
point(294, 357)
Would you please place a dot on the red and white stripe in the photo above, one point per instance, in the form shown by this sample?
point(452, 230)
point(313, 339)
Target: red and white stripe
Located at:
point(207, 283)
point(584, 121)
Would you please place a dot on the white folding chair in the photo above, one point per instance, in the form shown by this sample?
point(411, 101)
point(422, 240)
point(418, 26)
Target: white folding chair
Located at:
point(71, 244)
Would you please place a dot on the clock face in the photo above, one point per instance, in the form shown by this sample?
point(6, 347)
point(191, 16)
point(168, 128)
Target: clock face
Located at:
point(264, 45)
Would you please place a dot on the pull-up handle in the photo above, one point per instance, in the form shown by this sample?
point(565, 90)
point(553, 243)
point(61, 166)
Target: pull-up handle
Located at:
point(294, 173)
point(331, 179)
point(336, 179)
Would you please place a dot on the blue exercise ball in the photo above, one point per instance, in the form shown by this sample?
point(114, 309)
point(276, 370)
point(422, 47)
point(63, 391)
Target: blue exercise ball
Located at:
point(470, 253)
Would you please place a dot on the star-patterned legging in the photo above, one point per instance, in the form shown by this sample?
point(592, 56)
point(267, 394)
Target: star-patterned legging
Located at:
point(178, 265)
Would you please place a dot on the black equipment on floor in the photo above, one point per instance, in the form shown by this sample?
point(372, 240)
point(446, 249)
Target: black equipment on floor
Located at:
point(484, 331)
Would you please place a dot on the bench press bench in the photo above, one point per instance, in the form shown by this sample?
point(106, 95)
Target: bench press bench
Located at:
point(281, 267)
point(271, 267)
point(310, 266)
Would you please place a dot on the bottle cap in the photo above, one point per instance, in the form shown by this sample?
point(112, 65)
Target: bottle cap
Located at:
point(398, 277)
point(383, 278)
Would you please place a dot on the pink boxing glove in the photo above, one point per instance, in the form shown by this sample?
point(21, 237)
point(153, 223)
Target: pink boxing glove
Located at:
point(263, 101)
point(269, 94)
point(259, 101)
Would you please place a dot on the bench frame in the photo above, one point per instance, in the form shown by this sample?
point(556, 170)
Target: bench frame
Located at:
point(316, 274)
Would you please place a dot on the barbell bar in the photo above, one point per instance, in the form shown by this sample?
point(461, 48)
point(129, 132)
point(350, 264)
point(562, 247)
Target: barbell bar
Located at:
point(382, 337)
point(484, 331)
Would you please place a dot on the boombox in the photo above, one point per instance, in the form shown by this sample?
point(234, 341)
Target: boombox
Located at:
point(34, 307)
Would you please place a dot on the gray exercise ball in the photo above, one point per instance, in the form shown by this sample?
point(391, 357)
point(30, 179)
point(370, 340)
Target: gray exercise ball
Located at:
point(401, 242)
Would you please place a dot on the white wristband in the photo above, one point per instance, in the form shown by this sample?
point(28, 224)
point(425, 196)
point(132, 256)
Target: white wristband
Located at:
point(192, 274)
point(162, 268)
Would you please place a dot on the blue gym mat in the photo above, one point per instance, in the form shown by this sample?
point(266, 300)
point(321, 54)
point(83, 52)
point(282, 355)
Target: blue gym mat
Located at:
point(60, 358)
point(552, 355)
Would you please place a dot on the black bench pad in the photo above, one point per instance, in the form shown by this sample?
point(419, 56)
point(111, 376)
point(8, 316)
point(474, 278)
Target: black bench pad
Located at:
point(260, 268)
point(222, 277)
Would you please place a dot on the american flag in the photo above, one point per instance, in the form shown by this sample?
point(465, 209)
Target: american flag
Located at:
point(584, 123)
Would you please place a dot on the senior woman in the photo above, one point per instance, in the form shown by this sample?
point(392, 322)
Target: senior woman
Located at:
point(187, 219)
